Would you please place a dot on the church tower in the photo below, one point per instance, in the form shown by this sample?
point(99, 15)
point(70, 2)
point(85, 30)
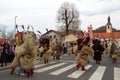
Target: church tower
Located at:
point(108, 26)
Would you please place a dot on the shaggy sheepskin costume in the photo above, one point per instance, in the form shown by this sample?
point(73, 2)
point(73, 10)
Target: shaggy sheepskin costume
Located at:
point(82, 56)
point(46, 55)
point(47, 47)
point(40, 52)
point(25, 53)
point(114, 50)
point(69, 51)
point(53, 44)
point(75, 49)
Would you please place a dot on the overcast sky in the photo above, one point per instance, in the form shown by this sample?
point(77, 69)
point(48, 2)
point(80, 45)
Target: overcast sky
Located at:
point(41, 14)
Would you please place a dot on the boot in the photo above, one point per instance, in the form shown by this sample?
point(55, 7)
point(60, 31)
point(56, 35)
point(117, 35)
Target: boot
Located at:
point(98, 62)
point(113, 60)
point(47, 61)
point(53, 57)
point(31, 72)
point(58, 57)
point(83, 68)
point(27, 73)
point(78, 66)
point(12, 70)
point(2, 65)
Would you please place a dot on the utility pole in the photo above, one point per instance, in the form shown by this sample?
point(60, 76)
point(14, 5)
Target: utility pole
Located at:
point(15, 23)
point(14, 31)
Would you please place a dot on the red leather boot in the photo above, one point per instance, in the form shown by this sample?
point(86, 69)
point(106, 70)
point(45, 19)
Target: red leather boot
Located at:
point(12, 70)
point(27, 73)
point(78, 66)
point(83, 68)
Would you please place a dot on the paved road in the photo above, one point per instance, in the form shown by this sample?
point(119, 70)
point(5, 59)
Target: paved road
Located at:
point(65, 69)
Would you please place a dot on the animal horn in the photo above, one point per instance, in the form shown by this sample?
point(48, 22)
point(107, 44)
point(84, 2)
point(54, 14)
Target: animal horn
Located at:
point(28, 27)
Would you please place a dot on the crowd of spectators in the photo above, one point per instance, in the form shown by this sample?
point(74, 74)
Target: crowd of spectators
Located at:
point(6, 53)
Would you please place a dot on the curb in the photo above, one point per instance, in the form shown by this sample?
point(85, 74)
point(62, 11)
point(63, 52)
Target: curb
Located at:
point(4, 68)
point(9, 66)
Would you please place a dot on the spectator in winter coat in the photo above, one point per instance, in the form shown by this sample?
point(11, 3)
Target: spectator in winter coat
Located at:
point(98, 50)
point(6, 53)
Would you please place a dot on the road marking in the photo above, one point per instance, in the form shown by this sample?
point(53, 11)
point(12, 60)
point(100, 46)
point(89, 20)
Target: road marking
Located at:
point(98, 74)
point(65, 55)
point(49, 67)
point(40, 65)
point(78, 73)
point(66, 61)
point(116, 73)
point(57, 72)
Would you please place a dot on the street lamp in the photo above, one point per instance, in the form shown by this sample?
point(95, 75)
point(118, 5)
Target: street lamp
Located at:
point(15, 22)
point(14, 31)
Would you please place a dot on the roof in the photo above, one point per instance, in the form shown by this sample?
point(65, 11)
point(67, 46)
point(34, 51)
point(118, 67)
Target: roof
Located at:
point(103, 29)
point(64, 33)
point(57, 32)
point(107, 35)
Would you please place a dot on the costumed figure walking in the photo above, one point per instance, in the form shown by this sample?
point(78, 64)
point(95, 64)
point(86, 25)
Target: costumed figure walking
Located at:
point(114, 50)
point(53, 44)
point(45, 49)
point(25, 53)
point(98, 50)
point(58, 51)
point(82, 55)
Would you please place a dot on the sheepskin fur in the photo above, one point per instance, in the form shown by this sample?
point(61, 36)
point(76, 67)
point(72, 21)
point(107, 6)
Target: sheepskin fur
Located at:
point(47, 54)
point(25, 53)
point(82, 56)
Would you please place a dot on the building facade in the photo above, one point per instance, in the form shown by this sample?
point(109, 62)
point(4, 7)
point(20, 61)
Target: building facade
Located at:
point(106, 32)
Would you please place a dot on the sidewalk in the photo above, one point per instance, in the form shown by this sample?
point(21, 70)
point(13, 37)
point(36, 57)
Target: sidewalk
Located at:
point(37, 61)
point(9, 65)
point(5, 67)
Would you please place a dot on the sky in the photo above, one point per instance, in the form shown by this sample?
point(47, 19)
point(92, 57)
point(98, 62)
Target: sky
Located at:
point(41, 14)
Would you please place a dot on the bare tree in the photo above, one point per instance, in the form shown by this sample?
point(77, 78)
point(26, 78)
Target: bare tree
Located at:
point(10, 34)
point(68, 17)
point(3, 31)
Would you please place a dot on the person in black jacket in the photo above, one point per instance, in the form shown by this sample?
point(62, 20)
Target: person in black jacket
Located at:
point(6, 53)
point(1, 52)
point(98, 50)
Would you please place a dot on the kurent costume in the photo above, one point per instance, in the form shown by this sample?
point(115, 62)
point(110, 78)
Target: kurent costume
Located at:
point(25, 53)
point(54, 44)
point(75, 49)
point(114, 50)
point(46, 55)
point(98, 50)
point(69, 50)
point(45, 50)
point(82, 55)
point(58, 51)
